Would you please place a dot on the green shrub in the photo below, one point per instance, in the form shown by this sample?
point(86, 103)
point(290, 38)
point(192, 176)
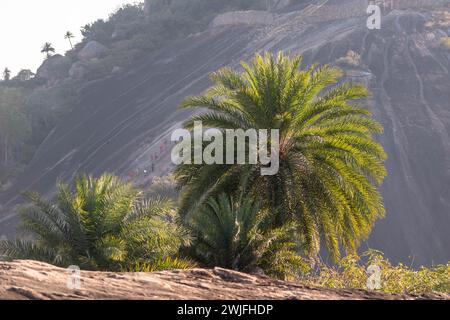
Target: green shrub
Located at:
point(165, 187)
point(234, 234)
point(351, 272)
point(162, 265)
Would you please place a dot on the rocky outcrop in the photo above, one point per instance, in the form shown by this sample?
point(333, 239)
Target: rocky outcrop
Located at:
point(92, 50)
point(54, 68)
point(78, 70)
point(24, 280)
point(235, 18)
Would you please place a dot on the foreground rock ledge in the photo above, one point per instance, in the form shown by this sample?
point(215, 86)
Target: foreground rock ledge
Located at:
point(35, 280)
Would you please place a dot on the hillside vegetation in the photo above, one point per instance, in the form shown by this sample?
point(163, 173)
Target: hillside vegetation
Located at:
point(31, 106)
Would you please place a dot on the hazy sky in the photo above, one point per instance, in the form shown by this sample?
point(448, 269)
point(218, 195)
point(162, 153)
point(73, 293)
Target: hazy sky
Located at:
point(25, 25)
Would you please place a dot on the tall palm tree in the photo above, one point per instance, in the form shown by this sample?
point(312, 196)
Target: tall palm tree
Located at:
point(48, 49)
point(69, 36)
point(102, 225)
point(330, 165)
point(6, 74)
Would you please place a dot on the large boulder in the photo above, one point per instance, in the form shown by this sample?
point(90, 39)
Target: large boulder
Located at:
point(92, 50)
point(251, 17)
point(78, 70)
point(54, 68)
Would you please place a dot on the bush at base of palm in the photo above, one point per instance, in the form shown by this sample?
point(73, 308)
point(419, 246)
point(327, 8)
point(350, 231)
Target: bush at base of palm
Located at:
point(234, 234)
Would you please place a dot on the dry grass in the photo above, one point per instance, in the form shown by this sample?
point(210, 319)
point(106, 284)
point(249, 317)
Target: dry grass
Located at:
point(352, 59)
point(440, 19)
point(444, 19)
point(352, 273)
point(445, 42)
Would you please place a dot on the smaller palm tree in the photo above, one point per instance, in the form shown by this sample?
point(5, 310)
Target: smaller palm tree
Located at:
point(48, 49)
point(69, 36)
point(6, 74)
point(103, 225)
point(234, 234)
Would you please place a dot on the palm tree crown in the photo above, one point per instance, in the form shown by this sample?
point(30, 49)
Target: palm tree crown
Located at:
point(69, 36)
point(48, 49)
point(330, 165)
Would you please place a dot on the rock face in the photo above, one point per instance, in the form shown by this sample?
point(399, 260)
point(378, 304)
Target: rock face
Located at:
point(92, 50)
point(24, 280)
point(280, 4)
point(121, 123)
point(236, 18)
point(117, 70)
point(78, 70)
point(54, 68)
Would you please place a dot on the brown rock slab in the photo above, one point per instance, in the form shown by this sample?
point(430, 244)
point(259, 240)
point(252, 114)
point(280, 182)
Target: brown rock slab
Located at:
point(31, 280)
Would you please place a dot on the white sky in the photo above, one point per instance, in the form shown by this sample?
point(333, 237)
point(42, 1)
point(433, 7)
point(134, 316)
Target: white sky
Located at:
point(25, 25)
